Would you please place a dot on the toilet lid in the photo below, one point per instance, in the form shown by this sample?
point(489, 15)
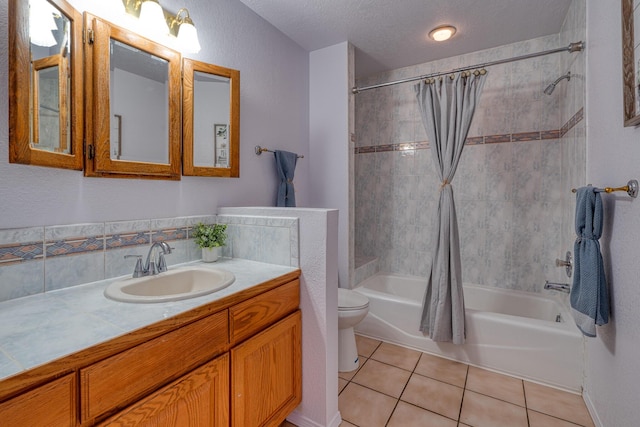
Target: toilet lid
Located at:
point(350, 300)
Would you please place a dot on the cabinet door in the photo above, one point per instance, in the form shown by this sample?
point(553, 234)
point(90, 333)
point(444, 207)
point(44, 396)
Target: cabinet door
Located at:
point(200, 398)
point(266, 382)
point(53, 404)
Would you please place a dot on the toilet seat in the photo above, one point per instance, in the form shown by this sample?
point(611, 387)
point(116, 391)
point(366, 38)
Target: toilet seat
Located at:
point(349, 300)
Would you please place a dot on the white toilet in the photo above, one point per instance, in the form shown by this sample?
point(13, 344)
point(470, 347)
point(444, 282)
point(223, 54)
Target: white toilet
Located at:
point(352, 308)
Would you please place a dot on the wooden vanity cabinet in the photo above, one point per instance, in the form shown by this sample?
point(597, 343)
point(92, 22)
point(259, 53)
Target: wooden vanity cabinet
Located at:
point(236, 361)
point(266, 378)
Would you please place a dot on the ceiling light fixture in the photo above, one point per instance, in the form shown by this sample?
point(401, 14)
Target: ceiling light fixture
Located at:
point(442, 33)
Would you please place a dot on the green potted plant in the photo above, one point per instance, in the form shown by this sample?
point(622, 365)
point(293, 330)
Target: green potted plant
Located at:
point(211, 238)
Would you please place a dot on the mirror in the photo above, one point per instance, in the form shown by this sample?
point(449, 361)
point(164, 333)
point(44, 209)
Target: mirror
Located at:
point(210, 120)
point(631, 61)
point(45, 84)
point(133, 104)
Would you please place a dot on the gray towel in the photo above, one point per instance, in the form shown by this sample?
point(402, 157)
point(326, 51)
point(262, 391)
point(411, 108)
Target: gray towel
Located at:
point(286, 165)
point(589, 294)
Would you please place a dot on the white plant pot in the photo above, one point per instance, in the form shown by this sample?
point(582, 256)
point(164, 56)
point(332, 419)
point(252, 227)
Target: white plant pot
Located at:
point(211, 254)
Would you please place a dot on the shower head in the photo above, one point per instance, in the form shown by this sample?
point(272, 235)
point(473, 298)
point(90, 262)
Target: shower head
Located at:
point(549, 90)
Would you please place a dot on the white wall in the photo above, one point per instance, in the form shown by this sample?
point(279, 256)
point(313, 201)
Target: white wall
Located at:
point(274, 105)
point(329, 140)
point(613, 157)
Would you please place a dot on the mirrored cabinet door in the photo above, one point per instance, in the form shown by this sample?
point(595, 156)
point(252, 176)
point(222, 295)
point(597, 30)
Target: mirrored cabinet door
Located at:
point(45, 84)
point(133, 104)
point(210, 120)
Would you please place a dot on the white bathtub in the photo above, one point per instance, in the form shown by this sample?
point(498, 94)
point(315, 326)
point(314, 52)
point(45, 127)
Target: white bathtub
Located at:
point(507, 331)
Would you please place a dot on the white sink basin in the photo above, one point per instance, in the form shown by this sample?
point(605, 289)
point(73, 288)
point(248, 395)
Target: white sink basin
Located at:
point(172, 285)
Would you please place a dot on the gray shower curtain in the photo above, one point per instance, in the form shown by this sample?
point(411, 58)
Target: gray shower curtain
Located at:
point(447, 105)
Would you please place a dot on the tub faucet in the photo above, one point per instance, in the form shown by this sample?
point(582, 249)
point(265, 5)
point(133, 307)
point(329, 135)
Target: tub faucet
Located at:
point(153, 267)
point(562, 287)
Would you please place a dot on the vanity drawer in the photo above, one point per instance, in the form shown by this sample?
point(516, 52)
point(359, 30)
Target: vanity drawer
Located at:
point(53, 404)
point(127, 376)
point(253, 315)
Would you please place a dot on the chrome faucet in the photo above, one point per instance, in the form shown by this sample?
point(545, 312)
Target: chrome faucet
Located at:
point(562, 287)
point(151, 267)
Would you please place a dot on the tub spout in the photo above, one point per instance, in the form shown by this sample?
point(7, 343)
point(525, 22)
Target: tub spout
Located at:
point(562, 287)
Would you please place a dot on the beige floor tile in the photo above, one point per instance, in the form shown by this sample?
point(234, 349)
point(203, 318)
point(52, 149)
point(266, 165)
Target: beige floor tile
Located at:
point(381, 377)
point(349, 375)
point(364, 407)
point(406, 415)
point(536, 419)
point(394, 355)
point(342, 384)
point(347, 424)
point(286, 423)
point(496, 385)
point(479, 410)
point(557, 403)
point(366, 346)
point(433, 395)
point(442, 369)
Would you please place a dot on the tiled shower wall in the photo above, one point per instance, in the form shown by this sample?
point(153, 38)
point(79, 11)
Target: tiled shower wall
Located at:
point(574, 145)
point(42, 259)
point(509, 187)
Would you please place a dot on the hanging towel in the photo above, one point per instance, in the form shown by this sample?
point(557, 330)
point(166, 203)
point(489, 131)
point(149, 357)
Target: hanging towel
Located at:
point(589, 294)
point(286, 165)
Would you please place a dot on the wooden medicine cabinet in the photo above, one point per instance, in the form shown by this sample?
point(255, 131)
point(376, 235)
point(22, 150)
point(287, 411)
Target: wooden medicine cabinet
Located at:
point(45, 84)
point(132, 98)
point(210, 120)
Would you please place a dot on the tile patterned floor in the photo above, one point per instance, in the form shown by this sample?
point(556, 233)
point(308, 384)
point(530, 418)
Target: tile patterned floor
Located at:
point(396, 386)
point(399, 387)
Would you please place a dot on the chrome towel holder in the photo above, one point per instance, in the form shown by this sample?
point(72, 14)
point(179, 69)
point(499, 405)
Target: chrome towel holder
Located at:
point(259, 150)
point(631, 188)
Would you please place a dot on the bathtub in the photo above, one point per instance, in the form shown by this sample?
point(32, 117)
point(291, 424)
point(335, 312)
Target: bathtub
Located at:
point(518, 333)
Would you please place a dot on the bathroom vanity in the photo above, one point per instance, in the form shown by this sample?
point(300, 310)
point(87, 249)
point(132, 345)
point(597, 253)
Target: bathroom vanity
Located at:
point(230, 360)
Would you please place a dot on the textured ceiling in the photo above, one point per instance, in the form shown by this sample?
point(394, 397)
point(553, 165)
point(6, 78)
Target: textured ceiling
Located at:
point(391, 34)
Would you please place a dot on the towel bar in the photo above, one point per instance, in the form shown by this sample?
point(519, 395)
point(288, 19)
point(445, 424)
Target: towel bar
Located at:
point(631, 188)
point(259, 151)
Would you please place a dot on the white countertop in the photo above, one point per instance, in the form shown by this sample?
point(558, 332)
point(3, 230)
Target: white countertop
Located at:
point(40, 328)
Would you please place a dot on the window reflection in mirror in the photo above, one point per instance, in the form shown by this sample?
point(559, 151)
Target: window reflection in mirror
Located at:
point(210, 120)
point(139, 90)
point(50, 37)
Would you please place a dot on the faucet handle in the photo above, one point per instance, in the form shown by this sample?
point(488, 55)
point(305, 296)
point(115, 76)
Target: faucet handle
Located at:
point(162, 264)
point(138, 270)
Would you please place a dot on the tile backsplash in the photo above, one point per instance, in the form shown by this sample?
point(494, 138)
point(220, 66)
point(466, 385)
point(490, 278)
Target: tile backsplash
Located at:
point(40, 259)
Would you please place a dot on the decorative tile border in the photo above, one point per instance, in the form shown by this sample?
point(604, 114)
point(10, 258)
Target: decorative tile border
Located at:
point(481, 140)
point(74, 246)
point(10, 254)
point(117, 241)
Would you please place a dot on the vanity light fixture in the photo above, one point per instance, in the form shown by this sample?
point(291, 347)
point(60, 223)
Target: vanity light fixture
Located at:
point(41, 23)
point(163, 26)
point(182, 27)
point(442, 33)
point(152, 18)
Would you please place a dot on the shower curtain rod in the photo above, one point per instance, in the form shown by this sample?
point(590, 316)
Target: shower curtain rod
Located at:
point(573, 47)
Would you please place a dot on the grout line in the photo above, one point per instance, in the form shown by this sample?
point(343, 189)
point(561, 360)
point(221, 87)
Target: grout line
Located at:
point(464, 391)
